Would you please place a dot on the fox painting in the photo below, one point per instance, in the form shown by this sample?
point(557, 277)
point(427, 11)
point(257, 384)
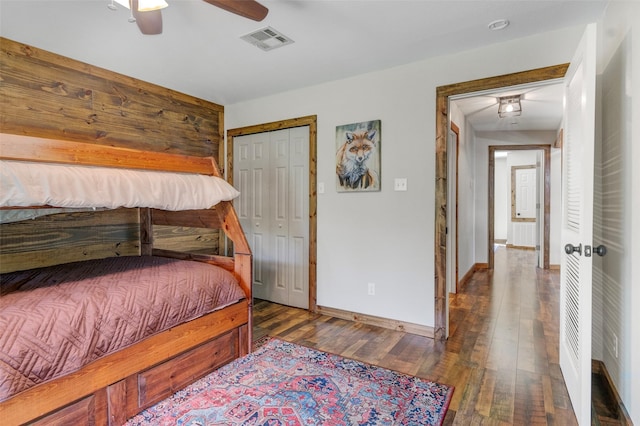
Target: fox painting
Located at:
point(351, 161)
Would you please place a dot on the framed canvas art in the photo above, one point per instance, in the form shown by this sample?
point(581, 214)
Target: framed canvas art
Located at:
point(358, 156)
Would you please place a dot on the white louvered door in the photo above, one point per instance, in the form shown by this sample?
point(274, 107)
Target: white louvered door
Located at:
point(577, 226)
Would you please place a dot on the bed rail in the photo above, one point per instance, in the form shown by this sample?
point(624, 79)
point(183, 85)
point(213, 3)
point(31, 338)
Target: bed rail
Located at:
point(29, 148)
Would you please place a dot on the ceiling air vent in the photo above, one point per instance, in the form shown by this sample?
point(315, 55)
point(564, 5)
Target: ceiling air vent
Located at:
point(267, 39)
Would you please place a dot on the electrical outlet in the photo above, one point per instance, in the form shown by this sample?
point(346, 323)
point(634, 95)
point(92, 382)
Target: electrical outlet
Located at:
point(371, 290)
point(615, 345)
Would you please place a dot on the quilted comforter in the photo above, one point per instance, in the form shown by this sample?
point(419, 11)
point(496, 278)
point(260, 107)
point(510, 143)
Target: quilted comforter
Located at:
point(55, 320)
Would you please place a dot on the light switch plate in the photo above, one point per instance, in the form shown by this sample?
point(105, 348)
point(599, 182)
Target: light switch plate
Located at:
point(400, 184)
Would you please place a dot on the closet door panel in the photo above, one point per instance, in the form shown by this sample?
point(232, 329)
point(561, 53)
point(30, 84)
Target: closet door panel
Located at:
point(260, 216)
point(272, 172)
point(299, 216)
point(251, 176)
point(279, 199)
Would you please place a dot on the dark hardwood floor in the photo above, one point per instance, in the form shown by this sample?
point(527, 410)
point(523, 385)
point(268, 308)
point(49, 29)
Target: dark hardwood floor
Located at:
point(501, 356)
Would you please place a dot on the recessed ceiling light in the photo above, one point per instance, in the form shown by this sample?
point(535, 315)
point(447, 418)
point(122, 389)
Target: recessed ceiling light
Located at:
point(498, 24)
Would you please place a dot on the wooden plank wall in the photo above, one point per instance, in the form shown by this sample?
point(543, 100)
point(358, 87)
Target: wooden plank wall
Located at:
point(68, 237)
point(47, 95)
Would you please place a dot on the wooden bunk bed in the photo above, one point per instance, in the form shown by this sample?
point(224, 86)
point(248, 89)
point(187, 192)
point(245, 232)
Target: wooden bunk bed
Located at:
point(117, 386)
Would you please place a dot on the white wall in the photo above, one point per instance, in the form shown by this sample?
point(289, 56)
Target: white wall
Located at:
point(555, 213)
point(464, 250)
point(388, 237)
point(482, 142)
point(501, 199)
point(619, 270)
point(466, 195)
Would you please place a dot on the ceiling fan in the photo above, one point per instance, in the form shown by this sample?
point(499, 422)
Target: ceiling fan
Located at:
point(147, 14)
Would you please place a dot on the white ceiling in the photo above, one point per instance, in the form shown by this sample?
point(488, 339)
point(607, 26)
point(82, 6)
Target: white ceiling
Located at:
point(200, 52)
point(541, 108)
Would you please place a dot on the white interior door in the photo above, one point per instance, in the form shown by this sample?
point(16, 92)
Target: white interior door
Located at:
point(523, 230)
point(271, 170)
point(526, 193)
point(251, 176)
point(279, 212)
point(577, 226)
point(299, 217)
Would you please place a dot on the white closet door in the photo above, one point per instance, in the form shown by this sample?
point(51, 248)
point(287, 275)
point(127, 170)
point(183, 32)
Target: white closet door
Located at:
point(272, 173)
point(252, 166)
point(299, 217)
point(279, 212)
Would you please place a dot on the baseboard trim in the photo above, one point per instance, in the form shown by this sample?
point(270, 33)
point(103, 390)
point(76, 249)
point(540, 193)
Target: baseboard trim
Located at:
point(476, 267)
point(407, 327)
point(598, 367)
point(554, 267)
point(511, 246)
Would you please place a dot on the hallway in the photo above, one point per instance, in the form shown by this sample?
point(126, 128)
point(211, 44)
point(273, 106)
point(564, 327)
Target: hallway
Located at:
point(501, 356)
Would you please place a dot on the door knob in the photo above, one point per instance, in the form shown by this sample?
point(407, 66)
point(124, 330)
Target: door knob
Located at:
point(570, 248)
point(600, 250)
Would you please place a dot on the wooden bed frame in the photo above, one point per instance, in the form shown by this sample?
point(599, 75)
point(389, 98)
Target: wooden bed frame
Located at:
point(111, 389)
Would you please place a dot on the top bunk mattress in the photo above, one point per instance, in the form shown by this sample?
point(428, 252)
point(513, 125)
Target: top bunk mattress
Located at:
point(27, 184)
point(55, 320)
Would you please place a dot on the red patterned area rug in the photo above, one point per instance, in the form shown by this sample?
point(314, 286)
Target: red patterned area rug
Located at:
point(285, 384)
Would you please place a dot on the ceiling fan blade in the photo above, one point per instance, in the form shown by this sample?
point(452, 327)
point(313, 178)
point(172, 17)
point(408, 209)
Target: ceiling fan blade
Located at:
point(248, 8)
point(150, 22)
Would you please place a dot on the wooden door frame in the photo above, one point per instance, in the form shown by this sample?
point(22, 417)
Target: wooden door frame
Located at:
point(310, 121)
point(547, 194)
point(442, 117)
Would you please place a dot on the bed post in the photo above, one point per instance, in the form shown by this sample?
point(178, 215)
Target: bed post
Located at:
point(146, 232)
point(243, 270)
point(242, 257)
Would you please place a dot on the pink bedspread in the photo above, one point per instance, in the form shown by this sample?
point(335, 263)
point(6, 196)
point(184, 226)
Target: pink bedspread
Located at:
point(57, 319)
